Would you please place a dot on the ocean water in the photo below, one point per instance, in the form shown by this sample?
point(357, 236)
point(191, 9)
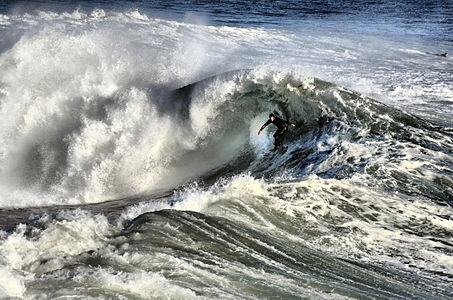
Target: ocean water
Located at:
point(131, 168)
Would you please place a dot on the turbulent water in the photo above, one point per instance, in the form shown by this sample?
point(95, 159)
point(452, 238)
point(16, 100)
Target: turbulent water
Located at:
point(130, 165)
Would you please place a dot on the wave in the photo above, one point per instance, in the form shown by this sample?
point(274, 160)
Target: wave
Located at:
point(142, 140)
point(91, 111)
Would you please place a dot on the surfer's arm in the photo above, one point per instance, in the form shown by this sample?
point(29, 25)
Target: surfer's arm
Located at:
point(264, 126)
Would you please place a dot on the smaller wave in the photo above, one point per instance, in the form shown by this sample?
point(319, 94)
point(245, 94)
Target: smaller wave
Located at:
point(283, 234)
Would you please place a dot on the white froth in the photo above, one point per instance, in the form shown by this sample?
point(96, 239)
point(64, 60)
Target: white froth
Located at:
point(11, 285)
point(77, 233)
point(140, 284)
point(69, 106)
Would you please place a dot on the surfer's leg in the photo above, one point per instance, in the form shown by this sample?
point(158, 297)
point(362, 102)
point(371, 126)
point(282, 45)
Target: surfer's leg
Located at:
point(276, 139)
point(278, 135)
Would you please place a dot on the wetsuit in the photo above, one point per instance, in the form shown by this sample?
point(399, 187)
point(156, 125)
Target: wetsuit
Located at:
point(282, 126)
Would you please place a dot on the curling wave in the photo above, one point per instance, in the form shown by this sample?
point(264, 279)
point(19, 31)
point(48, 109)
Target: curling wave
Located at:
point(140, 141)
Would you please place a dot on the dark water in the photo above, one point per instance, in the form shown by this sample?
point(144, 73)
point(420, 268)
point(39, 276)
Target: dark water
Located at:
point(433, 18)
point(130, 165)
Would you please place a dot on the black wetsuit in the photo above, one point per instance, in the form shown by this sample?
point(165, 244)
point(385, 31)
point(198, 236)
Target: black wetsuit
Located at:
point(282, 126)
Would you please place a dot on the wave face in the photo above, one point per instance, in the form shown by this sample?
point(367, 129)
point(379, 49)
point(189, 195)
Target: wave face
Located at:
point(114, 107)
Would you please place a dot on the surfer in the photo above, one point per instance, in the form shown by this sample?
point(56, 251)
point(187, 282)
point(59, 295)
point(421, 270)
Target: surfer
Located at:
point(282, 128)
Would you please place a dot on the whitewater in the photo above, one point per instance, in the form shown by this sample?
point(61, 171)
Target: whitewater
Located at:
point(130, 165)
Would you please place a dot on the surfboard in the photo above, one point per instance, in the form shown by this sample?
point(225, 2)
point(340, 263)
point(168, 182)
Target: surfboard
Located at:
point(281, 149)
